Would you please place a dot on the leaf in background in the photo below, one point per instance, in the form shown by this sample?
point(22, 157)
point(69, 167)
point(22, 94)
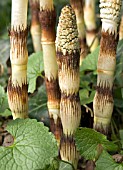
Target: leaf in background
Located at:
point(85, 98)
point(38, 106)
point(4, 51)
point(34, 68)
point(106, 162)
point(65, 166)
point(4, 55)
point(91, 143)
point(33, 148)
point(90, 62)
point(4, 111)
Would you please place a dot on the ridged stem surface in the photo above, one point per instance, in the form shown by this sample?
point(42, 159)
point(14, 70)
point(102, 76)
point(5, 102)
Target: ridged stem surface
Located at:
point(103, 100)
point(68, 58)
point(17, 86)
point(48, 20)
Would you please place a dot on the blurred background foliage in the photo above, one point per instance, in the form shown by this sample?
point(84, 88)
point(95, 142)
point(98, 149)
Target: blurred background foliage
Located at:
point(37, 108)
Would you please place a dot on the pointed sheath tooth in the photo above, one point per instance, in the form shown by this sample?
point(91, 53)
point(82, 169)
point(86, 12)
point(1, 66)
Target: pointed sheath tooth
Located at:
point(19, 14)
point(68, 150)
point(68, 53)
point(19, 55)
point(56, 128)
point(53, 94)
point(18, 100)
point(70, 111)
point(110, 14)
point(103, 100)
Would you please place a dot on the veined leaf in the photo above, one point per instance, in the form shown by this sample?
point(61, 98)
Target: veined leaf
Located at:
point(33, 148)
point(90, 62)
point(91, 143)
point(34, 68)
point(4, 111)
point(106, 162)
point(38, 106)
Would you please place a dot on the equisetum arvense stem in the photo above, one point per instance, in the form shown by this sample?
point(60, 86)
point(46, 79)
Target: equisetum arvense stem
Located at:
point(35, 25)
point(48, 21)
point(90, 22)
point(121, 29)
point(17, 86)
point(78, 9)
point(68, 58)
point(103, 100)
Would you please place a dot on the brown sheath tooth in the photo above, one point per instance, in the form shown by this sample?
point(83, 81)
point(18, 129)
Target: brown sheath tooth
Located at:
point(18, 99)
point(69, 78)
point(68, 150)
point(34, 5)
point(56, 128)
point(53, 94)
point(103, 100)
point(47, 17)
point(48, 21)
point(19, 55)
point(18, 41)
point(70, 111)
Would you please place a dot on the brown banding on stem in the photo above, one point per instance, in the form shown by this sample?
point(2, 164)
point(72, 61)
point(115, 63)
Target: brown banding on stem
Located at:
point(18, 99)
point(103, 100)
point(47, 18)
point(68, 150)
point(17, 86)
point(68, 59)
point(70, 110)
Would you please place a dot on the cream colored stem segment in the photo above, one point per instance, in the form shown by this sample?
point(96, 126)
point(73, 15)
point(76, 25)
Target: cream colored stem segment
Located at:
point(19, 14)
point(89, 15)
point(46, 4)
point(50, 64)
point(36, 37)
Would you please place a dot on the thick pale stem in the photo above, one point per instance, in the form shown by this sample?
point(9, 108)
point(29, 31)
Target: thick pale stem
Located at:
point(19, 14)
point(68, 150)
point(18, 100)
point(48, 21)
point(17, 86)
point(68, 58)
point(78, 8)
point(103, 100)
point(49, 57)
point(121, 29)
point(90, 22)
point(35, 25)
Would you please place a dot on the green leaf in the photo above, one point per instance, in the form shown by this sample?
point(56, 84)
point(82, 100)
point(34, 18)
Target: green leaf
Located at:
point(3, 102)
point(106, 162)
point(33, 148)
point(90, 62)
point(91, 143)
point(38, 106)
point(85, 98)
point(34, 68)
point(65, 166)
point(6, 113)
